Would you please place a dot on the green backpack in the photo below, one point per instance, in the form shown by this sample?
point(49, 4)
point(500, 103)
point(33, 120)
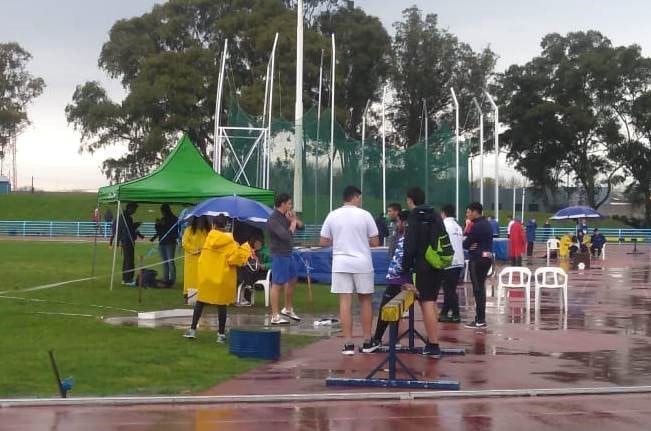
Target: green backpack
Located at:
point(439, 253)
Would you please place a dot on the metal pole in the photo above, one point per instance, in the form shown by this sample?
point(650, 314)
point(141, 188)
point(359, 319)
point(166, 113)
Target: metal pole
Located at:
point(456, 140)
point(316, 147)
point(361, 163)
point(263, 165)
point(481, 150)
point(115, 243)
point(271, 105)
point(497, 155)
point(514, 198)
point(298, 113)
point(217, 153)
point(332, 116)
point(523, 194)
point(384, 150)
point(425, 117)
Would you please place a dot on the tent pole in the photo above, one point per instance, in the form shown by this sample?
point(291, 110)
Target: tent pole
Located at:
point(115, 243)
point(98, 226)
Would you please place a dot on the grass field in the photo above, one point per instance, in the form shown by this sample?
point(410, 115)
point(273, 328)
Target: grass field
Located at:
point(104, 359)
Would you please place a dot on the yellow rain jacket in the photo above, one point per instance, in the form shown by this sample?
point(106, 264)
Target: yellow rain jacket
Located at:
point(564, 246)
point(192, 244)
point(220, 257)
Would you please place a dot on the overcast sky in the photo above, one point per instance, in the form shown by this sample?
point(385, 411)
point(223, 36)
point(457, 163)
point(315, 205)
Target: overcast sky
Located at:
point(65, 38)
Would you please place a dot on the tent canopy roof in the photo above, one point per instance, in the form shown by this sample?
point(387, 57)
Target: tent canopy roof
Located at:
point(184, 178)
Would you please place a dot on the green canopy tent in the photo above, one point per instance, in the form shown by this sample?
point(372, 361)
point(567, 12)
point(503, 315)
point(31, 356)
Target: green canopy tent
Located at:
point(184, 178)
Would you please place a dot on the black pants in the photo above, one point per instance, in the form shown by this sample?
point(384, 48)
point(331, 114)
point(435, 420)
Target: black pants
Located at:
point(127, 262)
point(478, 271)
point(516, 261)
point(450, 298)
point(380, 328)
point(530, 248)
point(221, 316)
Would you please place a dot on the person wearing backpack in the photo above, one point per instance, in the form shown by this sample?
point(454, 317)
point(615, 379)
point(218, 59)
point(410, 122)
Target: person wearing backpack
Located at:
point(423, 226)
point(479, 243)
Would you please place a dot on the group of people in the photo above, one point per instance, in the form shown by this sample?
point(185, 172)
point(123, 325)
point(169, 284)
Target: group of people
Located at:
point(352, 231)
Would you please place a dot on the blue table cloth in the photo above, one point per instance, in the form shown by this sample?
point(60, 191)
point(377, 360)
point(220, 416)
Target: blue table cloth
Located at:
point(319, 262)
point(501, 248)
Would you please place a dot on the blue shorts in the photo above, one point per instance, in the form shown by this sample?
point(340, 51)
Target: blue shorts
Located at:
point(283, 269)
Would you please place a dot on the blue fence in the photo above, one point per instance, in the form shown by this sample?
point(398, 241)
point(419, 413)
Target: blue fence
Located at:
point(307, 236)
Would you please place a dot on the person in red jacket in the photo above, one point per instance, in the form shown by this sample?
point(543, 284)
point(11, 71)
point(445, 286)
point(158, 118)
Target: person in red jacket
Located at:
point(517, 243)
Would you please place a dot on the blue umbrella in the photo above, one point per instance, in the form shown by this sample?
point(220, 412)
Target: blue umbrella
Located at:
point(242, 209)
point(576, 212)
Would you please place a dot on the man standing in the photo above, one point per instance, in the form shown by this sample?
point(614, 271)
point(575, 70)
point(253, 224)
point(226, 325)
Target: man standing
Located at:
point(351, 231)
point(531, 236)
point(382, 228)
point(393, 212)
point(127, 232)
point(495, 226)
point(479, 243)
point(452, 273)
point(281, 225)
point(423, 226)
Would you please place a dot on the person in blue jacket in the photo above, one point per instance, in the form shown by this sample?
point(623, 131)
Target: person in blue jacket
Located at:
point(531, 236)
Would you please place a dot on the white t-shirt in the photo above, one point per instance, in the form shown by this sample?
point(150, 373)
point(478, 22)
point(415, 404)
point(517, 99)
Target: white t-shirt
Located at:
point(350, 228)
point(456, 240)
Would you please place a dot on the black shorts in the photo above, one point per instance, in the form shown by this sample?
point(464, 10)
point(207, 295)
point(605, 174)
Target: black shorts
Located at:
point(428, 284)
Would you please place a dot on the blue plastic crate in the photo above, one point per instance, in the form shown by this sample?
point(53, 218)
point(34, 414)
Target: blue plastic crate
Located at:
point(248, 343)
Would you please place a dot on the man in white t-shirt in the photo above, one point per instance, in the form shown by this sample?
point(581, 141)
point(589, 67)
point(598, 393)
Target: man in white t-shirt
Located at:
point(453, 272)
point(351, 231)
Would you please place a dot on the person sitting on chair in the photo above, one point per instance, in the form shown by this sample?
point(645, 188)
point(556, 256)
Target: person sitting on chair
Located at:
point(254, 270)
point(597, 243)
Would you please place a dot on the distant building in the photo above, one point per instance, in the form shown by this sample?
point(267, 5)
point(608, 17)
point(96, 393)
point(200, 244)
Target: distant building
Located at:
point(5, 185)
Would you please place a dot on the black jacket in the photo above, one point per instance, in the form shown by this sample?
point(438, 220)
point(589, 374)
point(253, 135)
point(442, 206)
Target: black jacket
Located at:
point(423, 224)
point(481, 234)
point(166, 230)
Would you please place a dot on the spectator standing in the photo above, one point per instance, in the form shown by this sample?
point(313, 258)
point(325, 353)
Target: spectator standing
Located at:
point(126, 235)
point(479, 243)
point(531, 236)
point(424, 225)
point(494, 226)
point(517, 243)
point(168, 234)
point(547, 227)
point(392, 212)
point(382, 228)
point(452, 274)
point(217, 275)
point(281, 225)
point(351, 231)
point(108, 216)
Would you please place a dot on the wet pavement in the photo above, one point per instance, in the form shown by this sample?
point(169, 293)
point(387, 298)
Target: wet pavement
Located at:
point(604, 340)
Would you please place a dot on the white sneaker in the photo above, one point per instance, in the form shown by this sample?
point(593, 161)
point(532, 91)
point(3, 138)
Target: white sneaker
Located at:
point(277, 320)
point(190, 333)
point(290, 313)
point(221, 338)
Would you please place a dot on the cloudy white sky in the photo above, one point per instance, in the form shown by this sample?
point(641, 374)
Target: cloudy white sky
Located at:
point(65, 38)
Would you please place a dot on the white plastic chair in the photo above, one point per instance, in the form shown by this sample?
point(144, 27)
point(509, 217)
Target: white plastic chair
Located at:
point(266, 284)
point(523, 282)
point(552, 245)
point(549, 277)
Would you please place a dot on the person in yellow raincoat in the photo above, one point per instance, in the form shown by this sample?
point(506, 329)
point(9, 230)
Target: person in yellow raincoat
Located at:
point(564, 246)
point(193, 239)
point(217, 275)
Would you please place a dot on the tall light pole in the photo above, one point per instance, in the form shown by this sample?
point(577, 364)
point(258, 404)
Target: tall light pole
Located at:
point(456, 140)
point(217, 152)
point(497, 155)
point(481, 150)
point(425, 118)
point(384, 150)
point(332, 116)
point(361, 164)
point(316, 148)
point(298, 113)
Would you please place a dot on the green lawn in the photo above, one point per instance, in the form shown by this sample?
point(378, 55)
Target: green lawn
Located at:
point(104, 359)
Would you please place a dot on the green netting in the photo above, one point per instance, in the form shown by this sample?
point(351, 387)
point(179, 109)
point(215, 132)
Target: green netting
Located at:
point(434, 172)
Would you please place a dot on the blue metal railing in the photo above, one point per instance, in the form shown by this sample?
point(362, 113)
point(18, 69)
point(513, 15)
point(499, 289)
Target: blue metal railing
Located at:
point(307, 236)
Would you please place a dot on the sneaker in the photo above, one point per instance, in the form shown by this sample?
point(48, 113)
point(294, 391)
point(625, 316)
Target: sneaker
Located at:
point(444, 318)
point(431, 351)
point(244, 303)
point(277, 320)
point(475, 325)
point(454, 319)
point(190, 333)
point(221, 338)
point(348, 350)
point(129, 283)
point(290, 313)
point(371, 346)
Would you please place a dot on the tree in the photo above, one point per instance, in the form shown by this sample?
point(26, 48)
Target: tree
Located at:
point(17, 90)
point(559, 119)
point(167, 61)
point(427, 62)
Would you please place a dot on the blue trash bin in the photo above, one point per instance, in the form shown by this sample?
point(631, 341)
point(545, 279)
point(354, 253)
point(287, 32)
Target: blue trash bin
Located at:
point(252, 343)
